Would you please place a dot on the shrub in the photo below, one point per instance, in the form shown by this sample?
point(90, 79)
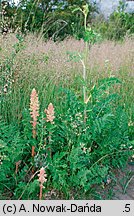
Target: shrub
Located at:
point(117, 27)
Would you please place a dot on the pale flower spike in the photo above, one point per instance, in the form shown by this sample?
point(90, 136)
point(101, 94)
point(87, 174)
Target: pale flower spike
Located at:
point(42, 178)
point(50, 113)
point(34, 107)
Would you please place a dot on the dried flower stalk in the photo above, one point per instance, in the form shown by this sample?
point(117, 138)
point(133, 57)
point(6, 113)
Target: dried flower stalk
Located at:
point(17, 166)
point(50, 118)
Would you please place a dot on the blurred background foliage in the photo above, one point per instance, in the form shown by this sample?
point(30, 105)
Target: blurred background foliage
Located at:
point(55, 19)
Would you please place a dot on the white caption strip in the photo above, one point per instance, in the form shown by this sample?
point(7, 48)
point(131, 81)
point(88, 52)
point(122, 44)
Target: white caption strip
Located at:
point(70, 207)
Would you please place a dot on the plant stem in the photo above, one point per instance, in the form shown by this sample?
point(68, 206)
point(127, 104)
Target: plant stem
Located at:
point(41, 187)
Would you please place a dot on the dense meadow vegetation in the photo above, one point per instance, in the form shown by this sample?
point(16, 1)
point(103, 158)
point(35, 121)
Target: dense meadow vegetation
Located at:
point(66, 111)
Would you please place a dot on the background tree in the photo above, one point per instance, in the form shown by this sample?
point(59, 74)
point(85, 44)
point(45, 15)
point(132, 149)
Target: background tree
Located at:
point(52, 19)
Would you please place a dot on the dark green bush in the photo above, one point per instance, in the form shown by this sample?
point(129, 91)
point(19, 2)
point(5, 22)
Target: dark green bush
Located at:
point(119, 25)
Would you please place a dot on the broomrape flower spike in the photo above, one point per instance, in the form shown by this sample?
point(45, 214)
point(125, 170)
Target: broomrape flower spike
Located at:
point(42, 178)
point(50, 113)
point(34, 108)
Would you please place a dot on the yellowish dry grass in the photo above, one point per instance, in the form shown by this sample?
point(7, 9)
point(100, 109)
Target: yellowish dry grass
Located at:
point(40, 63)
point(41, 57)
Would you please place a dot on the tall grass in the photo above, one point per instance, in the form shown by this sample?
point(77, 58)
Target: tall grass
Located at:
point(46, 65)
point(76, 154)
